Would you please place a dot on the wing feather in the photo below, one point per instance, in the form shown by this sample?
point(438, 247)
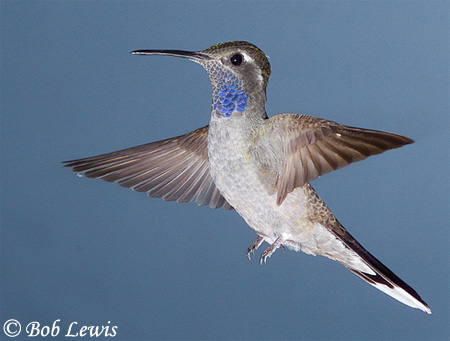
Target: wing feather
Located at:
point(308, 147)
point(175, 169)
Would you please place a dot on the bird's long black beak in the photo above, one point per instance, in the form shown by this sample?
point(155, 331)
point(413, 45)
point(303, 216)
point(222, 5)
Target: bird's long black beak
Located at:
point(194, 56)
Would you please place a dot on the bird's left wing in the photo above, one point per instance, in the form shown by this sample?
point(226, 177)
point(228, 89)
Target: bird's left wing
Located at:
point(175, 169)
point(301, 148)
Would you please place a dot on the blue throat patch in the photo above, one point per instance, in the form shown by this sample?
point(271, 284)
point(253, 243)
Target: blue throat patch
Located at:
point(230, 97)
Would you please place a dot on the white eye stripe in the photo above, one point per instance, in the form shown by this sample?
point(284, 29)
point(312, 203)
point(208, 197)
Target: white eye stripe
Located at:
point(249, 59)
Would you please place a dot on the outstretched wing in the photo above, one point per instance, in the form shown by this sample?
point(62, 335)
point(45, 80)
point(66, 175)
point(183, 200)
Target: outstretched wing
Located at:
point(175, 169)
point(306, 147)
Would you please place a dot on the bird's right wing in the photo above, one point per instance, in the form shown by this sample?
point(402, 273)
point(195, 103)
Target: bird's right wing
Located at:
point(175, 169)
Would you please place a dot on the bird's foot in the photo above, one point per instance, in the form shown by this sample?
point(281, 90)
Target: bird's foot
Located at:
point(256, 244)
point(270, 250)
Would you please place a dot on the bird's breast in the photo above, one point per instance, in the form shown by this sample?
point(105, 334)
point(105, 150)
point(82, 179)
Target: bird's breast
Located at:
point(232, 166)
point(242, 182)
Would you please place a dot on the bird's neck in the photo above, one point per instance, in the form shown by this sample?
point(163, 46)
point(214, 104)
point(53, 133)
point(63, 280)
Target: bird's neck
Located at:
point(231, 97)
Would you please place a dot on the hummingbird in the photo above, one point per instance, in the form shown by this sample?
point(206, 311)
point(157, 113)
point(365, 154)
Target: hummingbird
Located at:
point(260, 167)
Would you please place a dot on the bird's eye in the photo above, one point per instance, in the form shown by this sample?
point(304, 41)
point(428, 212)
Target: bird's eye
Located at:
point(236, 59)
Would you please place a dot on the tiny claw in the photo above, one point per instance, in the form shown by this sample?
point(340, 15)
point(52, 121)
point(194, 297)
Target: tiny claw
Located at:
point(255, 245)
point(263, 258)
point(270, 250)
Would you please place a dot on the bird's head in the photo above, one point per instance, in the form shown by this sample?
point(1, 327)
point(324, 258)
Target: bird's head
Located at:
point(239, 73)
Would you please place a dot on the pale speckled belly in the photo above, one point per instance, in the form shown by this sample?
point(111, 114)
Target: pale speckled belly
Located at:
point(290, 220)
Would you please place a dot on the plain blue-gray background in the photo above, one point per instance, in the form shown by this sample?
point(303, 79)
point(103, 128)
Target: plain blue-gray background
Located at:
point(84, 250)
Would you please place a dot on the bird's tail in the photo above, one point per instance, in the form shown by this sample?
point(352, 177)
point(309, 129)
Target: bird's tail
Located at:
point(384, 279)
